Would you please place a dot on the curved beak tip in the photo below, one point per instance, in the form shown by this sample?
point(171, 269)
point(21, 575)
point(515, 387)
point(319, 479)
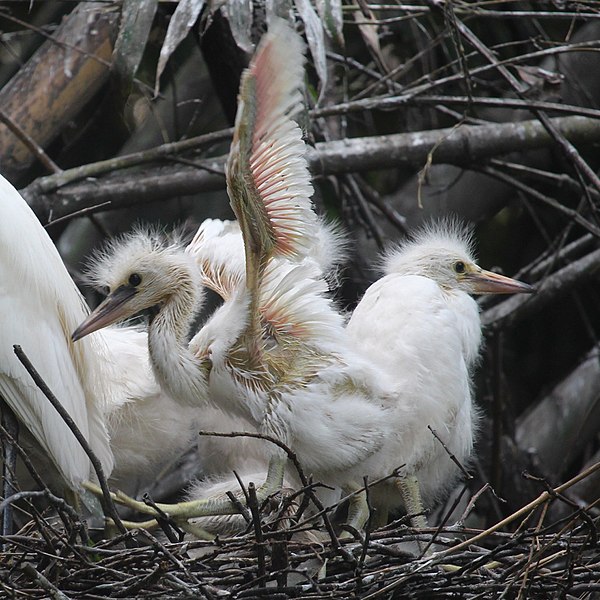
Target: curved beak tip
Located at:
point(113, 309)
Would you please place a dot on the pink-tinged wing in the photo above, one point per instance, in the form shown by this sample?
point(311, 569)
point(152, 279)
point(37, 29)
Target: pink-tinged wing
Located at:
point(218, 250)
point(267, 174)
point(294, 302)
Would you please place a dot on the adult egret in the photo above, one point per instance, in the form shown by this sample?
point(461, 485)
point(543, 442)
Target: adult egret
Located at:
point(105, 383)
point(40, 305)
point(421, 325)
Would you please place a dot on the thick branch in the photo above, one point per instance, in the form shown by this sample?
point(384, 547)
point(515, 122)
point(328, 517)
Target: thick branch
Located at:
point(574, 404)
point(458, 146)
point(56, 82)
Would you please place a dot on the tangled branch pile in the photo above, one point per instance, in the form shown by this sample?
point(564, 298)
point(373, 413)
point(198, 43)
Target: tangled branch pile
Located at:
point(55, 558)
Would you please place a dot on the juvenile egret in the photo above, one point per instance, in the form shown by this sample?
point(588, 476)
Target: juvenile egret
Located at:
point(274, 353)
point(422, 327)
point(277, 353)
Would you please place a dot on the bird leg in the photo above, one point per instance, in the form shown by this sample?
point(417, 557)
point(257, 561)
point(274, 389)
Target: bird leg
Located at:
point(411, 495)
point(358, 509)
point(204, 507)
point(380, 518)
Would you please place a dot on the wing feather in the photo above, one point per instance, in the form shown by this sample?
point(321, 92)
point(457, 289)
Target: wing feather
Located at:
point(40, 306)
point(267, 173)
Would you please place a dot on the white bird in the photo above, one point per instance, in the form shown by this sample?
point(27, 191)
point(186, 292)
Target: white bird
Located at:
point(105, 383)
point(277, 352)
point(40, 305)
point(274, 353)
point(421, 326)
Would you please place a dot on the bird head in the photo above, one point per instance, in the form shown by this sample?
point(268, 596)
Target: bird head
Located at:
point(443, 252)
point(141, 271)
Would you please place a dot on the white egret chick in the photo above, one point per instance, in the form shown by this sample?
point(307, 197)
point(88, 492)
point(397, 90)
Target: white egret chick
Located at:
point(275, 353)
point(144, 271)
point(421, 325)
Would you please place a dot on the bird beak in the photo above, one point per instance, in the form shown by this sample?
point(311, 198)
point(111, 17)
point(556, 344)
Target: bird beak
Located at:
point(486, 282)
point(114, 308)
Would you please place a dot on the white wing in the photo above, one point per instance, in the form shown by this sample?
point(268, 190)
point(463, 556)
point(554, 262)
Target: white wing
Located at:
point(40, 306)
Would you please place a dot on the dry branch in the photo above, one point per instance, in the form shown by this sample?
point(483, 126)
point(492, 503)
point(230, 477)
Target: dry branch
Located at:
point(574, 404)
point(459, 146)
point(56, 82)
point(516, 308)
point(548, 560)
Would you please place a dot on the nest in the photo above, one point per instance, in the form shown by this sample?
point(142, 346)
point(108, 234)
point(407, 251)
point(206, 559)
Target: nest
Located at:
point(281, 556)
point(282, 553)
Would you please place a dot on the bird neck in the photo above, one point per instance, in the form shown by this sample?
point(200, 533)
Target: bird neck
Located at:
point(468, 324)
point(183, 375)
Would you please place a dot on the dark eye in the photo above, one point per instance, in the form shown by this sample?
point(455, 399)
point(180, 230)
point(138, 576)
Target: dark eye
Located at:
point(460, 267)
point(135, 279)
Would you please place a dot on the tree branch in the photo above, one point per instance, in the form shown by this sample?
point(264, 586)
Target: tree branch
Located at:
point(458, 146)
point(517, 308)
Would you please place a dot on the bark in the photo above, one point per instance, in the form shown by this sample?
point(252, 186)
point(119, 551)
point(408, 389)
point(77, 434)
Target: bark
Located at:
point(558, 428)
point(459, 146)
point(56, 82)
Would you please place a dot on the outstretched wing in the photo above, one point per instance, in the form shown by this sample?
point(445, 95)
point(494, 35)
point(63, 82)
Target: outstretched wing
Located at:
point(267, 175)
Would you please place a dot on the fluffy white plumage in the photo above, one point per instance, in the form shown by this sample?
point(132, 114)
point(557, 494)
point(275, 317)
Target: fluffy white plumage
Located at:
point(148, 429)
point(144, 270)
point(421, 326)
point(274, 353)
point(277, 353)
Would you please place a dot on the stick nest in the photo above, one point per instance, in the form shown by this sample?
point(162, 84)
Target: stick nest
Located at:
point(54, 557)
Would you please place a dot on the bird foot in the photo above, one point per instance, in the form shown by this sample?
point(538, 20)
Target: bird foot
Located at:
point(358, 514)
point(204, 507)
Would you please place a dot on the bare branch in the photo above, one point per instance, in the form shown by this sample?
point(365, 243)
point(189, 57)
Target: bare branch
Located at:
point(459, 146)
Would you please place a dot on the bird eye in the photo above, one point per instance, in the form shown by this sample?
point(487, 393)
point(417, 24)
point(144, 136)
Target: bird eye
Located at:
point(135, 279)
point(460, 267)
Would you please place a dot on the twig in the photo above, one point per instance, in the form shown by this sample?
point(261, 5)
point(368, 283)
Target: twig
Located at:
point(164, 521)
point(46, 585)
point(41, 384)
point(258, 533)
point(543, 497)
point(293, 458)
point(510, 311)
point(452, 457)
point(30, 143)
